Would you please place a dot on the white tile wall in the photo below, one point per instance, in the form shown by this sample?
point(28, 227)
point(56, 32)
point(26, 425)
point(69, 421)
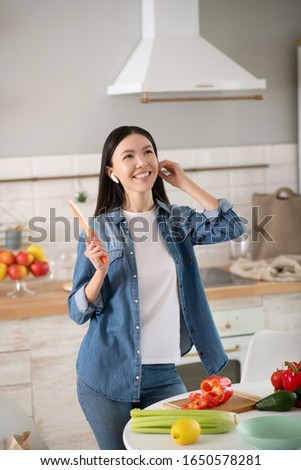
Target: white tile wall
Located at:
point(25, 200)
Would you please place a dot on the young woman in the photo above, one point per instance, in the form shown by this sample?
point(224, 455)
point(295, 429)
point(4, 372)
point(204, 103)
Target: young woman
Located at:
point(138, 284)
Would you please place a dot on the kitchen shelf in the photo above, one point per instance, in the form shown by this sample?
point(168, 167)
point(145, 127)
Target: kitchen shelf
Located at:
point(96, 175)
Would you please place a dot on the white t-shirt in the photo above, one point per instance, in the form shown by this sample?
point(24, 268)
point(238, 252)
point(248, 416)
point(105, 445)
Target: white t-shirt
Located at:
point(158, 291)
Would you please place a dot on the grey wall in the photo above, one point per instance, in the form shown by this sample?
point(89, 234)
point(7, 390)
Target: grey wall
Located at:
point(57, 57)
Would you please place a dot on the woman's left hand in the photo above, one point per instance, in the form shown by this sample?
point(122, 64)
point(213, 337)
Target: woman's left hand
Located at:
point(176, 176)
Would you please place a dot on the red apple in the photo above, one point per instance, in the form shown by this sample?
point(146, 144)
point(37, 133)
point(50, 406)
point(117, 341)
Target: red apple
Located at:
point(7, 257)
point(39, 268)
point(17, 271)
point(22, 257)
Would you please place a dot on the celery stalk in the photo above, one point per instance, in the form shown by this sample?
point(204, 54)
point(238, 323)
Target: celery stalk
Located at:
point(151, 430)
point(161, 421)
point(137, 412)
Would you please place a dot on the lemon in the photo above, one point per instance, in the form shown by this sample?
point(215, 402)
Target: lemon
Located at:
point(185, 431)
point(38, 252)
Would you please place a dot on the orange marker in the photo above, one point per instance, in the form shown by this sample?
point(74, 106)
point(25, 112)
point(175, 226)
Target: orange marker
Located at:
point(84, 224)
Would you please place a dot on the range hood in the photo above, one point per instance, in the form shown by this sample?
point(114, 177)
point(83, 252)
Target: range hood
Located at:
point(173, 62)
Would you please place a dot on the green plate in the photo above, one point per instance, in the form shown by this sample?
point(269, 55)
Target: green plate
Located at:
point(272, 432)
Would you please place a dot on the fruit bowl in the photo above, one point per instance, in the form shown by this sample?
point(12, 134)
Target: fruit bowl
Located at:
point(272, 432)
point(22, 267)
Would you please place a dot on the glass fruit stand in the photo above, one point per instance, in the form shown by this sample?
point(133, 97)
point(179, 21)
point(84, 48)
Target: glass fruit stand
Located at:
point(24, 287)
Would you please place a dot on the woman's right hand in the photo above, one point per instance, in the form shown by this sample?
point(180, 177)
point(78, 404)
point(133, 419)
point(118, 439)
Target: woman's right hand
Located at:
point(97, 254)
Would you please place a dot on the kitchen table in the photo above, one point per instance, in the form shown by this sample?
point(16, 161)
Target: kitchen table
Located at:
point(230, 440)
point(14, 420)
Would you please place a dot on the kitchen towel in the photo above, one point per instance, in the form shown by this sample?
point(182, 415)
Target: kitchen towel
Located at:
point(19, 441)
point(282, 268)
point(276, 224)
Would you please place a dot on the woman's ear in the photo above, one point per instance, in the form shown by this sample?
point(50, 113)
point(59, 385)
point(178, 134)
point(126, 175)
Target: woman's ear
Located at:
point(112, 175)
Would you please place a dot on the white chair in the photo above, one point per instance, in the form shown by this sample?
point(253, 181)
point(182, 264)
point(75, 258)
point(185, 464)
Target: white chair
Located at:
point(13, 420)
point(267, 352)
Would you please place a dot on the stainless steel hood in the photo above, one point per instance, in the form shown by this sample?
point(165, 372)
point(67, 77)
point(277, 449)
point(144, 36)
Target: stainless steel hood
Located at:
point(173, 62)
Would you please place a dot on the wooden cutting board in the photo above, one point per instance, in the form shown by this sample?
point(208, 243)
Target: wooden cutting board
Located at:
point(238, 403)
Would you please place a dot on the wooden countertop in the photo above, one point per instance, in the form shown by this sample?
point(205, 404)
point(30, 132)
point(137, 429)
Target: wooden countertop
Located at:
point(249, 290)
point(51, 299)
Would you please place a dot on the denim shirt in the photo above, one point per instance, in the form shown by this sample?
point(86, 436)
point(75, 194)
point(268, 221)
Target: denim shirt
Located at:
point(109, 360)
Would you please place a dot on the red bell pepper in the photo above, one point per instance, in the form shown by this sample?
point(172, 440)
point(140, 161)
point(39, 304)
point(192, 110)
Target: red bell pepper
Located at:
point(199, 401)
point(217, 387)
point(291, 377)
point(214, 391)
point(293, 364)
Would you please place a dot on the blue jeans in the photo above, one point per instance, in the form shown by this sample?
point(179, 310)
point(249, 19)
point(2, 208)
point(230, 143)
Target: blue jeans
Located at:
point(108, 418)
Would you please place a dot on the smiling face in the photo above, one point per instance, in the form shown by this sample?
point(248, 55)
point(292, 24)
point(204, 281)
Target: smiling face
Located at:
point(135, 164)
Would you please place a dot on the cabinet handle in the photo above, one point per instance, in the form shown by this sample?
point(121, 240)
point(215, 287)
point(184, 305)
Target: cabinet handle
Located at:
point(227, 325)
point(235, 349)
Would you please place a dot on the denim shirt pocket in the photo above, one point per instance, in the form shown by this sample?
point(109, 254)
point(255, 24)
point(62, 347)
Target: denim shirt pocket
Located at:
point(116, 269)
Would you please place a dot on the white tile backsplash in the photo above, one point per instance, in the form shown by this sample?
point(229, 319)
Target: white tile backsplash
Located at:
point(247, 177)
point(243, 195)
point(251, 155)
point(281, 154)
point(272, 187)
point(29, 199)
point(53, 189)
point(89, 164)
point(217, 180)
point(18, 191)
point(55, 165)
point(284, 174)
point(211, 157)
point(184, 156)
point(14, 167)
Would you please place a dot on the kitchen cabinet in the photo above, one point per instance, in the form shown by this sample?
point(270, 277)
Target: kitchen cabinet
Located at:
point(283, 311)
point(237, 319)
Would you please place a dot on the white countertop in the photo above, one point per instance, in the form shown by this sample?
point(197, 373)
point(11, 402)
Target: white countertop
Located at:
point(230, 440)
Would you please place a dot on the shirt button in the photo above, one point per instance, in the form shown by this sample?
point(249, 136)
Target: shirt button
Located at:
point(134, 276)
point(131, 253)
point(138, 351)
point(137, 377)
point(137, 327)
point(136, 301)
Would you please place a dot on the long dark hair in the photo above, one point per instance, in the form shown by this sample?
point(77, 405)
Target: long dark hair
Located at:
point(110, 194)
